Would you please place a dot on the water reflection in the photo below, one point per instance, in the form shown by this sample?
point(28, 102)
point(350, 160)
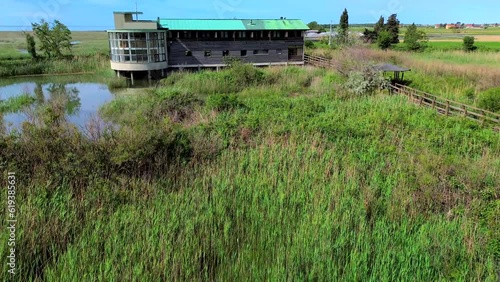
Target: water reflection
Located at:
point(80, 101)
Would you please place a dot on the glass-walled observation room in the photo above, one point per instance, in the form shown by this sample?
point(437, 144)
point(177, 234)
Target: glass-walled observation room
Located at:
point(137, 47)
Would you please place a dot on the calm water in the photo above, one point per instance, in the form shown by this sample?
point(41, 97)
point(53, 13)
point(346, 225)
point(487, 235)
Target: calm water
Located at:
point(82, 96)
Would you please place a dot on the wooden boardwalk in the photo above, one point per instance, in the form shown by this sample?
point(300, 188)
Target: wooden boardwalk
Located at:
point(441, 105)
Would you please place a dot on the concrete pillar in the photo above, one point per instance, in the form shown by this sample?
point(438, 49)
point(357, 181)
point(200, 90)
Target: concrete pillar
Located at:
point(118, 74)
point(149, 76)
point(162, 73)
point(132, 77)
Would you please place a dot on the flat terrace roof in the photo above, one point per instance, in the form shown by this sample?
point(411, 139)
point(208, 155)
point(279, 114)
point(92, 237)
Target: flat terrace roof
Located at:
point(134, 13)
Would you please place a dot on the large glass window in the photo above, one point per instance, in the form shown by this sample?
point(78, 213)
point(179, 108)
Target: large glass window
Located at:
point(137, 47)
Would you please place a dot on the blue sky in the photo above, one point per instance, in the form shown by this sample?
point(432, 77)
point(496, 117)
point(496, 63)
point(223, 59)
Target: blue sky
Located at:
point(97, 14)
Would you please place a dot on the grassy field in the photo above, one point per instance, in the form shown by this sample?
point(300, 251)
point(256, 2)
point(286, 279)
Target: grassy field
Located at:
point(457, 45)
point(91, 42)
point(251, 175)
point(90, 55)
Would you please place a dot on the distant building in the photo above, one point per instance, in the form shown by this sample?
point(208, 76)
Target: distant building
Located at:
point(156, 46)
point(452, 26)
point(315, 36)
point(474, 26)
point(437, 26)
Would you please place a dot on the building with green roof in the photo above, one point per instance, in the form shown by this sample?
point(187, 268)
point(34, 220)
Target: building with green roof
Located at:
point(157, 46)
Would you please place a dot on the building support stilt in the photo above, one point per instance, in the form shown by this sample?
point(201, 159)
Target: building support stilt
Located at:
point(149, 76)
point(132, 77)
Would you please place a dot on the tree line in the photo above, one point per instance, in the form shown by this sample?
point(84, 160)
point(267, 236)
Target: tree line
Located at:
point(386, 34)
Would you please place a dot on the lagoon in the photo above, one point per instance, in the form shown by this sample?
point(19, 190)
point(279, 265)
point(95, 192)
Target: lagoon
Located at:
point(82, 97)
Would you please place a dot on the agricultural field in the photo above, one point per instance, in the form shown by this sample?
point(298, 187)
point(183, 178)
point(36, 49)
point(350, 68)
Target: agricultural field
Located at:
point(257, 174)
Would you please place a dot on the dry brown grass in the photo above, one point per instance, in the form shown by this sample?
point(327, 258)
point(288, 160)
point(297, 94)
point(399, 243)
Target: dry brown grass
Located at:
point(482, 76)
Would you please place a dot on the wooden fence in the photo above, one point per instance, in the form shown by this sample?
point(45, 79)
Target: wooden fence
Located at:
point(443, 106)
point(318, 61)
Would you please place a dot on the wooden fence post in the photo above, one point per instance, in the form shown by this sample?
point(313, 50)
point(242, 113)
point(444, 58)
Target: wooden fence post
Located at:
point(465, 110)
point(447, 107)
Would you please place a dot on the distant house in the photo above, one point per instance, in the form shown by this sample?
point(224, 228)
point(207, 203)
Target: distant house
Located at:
point(452, 26)
point(437, 26)
point(474, 26)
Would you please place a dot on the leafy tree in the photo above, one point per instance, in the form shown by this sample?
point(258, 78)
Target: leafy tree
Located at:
point(370, 36)
point(468, 44)
point(314, 25)
point(379, 26)
point(343, 29)
point(392, 27)
point(53, 37)
point(31, 45)
point(415, 39)
point(384, 40)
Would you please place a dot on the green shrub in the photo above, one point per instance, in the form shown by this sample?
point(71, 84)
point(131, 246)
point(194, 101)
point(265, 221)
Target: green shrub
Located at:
point(309, 44)
point(468, 44)
point(365, 82)
point(245, 75)
point(223, 102)
point(490, 100)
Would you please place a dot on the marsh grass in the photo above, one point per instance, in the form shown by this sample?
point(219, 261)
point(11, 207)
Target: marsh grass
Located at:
point(283, 179)
point(17, 103)
point(74, 64)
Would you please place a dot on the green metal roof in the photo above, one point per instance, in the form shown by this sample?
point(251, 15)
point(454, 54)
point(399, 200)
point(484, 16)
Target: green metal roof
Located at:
point(218, 24)
point(275, 25)
point(135, 30)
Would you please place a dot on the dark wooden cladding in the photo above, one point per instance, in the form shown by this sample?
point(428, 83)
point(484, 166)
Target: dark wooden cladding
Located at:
point(266, 51)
